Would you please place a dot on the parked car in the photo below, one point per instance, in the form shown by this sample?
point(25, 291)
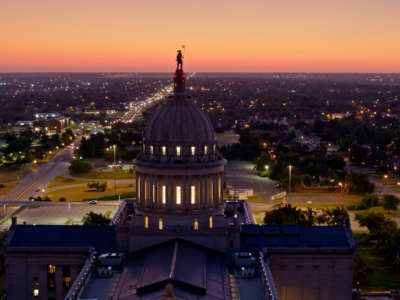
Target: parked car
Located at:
point(92, 202)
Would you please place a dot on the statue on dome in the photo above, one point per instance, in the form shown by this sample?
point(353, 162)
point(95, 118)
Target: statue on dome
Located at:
point(179, 61)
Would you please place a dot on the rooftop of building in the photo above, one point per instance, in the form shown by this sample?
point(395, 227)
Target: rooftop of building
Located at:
point(295, 237)
point(102, 238)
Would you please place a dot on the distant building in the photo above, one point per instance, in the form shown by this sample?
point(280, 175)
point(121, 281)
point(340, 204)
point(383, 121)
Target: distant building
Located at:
point(51, 123)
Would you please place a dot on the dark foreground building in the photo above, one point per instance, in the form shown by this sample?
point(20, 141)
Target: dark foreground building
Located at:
point(179, 239)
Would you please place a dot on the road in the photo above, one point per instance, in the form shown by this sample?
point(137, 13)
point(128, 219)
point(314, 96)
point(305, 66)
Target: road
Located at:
point(57, 166)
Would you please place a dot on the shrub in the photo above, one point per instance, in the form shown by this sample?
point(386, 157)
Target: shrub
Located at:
point(79, 167)
point(62, 199)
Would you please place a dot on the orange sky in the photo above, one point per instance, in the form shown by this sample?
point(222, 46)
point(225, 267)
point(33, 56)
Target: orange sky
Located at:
point(221, 35)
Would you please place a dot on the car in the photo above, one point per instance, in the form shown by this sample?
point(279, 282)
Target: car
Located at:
point(277, 186)
point(92, 202)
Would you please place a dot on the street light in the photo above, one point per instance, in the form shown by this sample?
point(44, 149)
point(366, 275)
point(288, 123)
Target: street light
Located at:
point(290, 178)
point(266, 167)
point(341, 186)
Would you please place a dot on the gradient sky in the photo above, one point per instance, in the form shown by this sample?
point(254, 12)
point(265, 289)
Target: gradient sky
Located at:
point(221, 35)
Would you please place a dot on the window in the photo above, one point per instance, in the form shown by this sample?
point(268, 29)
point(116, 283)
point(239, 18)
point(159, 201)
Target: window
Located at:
point(178, 195)
point(151, 150)
point(164, 194)
point(163, 150)
point(210, 222)
point(35, 281)
point(214, 148)
point(178, 151)
point(196, 224)
point(154, 193)
point(160, 224)
point(193, 195)
point(205, 150)
point(146, 222)
point(66, 270)
point(36, 293)
point(144, 147)
point(193, 150)
point(51, 277)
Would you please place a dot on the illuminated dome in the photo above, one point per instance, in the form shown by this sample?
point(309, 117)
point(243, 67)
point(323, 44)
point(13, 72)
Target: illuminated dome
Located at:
point(179, 169)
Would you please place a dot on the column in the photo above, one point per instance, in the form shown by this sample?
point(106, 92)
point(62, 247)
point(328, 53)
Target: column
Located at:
point(137, 190)
point(151, 199)
point(184, 194)
point(200, 192)
point(189, 200)
point(206, 192)
point(221, 182)
point(215, 198)
point(59, 282)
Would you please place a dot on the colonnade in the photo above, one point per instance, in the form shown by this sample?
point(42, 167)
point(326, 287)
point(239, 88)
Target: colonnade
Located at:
point(174, 193)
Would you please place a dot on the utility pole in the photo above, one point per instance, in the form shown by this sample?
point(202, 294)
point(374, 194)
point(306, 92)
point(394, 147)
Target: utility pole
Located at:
point(115, 175)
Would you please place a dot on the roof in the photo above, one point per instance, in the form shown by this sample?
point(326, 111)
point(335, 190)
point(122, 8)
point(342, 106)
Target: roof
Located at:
point(258, 237)
point(194, 271)
point(179, 122)
point(55, 236)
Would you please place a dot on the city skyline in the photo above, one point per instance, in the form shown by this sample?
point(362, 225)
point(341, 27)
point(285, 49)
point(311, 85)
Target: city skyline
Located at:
point(234, 36)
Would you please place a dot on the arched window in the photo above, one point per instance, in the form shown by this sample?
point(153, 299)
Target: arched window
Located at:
point(160, 224)
point(151, 150)
point(178, 151)
point(154, 193)
point(215, 148)
point(205, 150)
point(178, 195)
point(210, 222)
point(163, 150)
point(146, 222)
point(193, 150)
point(144, 147)
point(193, 194)
point(196, 224)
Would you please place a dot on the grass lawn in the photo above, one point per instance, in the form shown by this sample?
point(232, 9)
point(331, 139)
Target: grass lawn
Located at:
point(378, 209)
point(13, 173)
point(7, 188)
point(107, 175)
point(381, 276)
point(82, 193)
point(61, 181)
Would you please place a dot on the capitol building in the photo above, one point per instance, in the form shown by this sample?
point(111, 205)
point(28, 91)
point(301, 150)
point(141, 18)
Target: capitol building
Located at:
point(179, 239)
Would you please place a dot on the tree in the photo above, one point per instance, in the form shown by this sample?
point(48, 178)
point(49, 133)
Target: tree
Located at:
point(79, 167)
point(286, 215)
point(390, 202)
point(376, 223)
point(337, 216)
point(307, 180)
point(335, 162)
point(94, 219)
point(358, 183)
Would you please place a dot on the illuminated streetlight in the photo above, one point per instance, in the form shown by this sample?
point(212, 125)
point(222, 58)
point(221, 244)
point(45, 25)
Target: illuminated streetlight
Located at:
point(290, 178)
point(266, 167)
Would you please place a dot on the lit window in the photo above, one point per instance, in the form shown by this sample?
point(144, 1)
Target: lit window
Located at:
point(144, 148)
point(193, 150)
point(51, 269)
point(193, 194)
point(205, 150)
point(178, 195)
point(210, 222)
point(151, 150)
point(160, 224)
point(67, 282)
point(36, 281)
point(214, 148)
point(196, 224)
point(36, 293)
point(146, 222)
point(164, 194)
point(154, 193)
point(178, 150)
point(163, 150)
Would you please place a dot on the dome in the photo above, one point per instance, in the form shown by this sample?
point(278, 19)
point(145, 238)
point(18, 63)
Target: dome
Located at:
point(179, 122)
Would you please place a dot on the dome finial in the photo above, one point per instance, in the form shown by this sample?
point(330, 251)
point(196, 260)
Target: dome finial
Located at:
point(179, 76)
